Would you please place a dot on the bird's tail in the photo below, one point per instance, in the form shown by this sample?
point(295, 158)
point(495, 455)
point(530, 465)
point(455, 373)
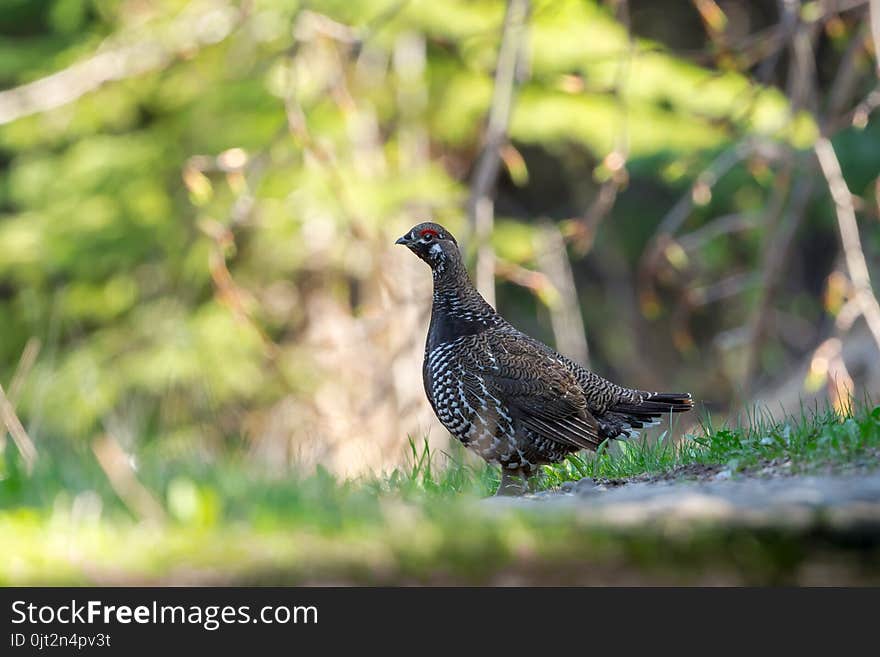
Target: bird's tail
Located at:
point(627, 417)
point(658, 403)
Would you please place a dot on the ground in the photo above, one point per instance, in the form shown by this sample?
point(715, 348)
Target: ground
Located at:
point(835, 517)
point(795, 501)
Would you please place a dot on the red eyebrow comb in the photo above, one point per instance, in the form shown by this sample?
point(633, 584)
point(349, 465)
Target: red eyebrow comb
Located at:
point(428, 231)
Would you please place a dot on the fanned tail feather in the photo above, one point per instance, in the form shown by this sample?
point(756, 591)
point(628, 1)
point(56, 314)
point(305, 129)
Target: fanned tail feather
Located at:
point(628, 417)
point(656, 404)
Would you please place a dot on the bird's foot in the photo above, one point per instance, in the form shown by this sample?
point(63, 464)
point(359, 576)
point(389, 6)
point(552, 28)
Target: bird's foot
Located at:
point(535, 483)
point(511, 485)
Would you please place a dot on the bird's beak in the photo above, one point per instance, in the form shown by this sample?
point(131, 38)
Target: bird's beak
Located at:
point(403, 240)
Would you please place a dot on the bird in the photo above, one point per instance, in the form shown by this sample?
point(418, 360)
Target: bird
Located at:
point(510, 398)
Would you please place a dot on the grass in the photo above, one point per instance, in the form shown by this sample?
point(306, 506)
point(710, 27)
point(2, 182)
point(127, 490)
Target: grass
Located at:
point(818, 439)
point(229, 522)
point(813, 440)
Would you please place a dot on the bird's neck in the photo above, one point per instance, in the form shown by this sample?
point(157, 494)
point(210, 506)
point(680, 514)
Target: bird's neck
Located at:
point(458, 309)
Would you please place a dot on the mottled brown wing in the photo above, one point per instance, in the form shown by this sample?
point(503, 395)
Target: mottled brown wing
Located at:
point(539, 392)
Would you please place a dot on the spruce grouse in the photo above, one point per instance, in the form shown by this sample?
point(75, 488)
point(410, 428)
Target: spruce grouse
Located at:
point(507, 396)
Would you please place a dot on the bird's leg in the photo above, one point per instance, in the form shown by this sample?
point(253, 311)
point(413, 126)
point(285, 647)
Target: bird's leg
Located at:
point(511, 484)
point(533, 480)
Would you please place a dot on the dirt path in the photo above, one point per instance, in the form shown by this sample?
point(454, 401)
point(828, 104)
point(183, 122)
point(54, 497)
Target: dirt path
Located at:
point(837, 503)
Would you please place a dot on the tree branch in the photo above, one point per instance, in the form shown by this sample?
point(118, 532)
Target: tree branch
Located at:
point(584, 228)
point(191, 31)
point(774, 266)
point(565, 315)
point(22, 441)
point(875, 30)
point(480, 204)
point(849, 235)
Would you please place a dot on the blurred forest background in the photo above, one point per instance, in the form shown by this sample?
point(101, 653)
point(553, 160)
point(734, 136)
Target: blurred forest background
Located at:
point(199, 200)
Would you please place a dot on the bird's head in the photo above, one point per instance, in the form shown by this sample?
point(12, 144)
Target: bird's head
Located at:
point(432, 243)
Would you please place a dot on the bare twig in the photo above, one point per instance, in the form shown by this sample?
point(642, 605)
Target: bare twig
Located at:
point(766, 45)
point(862, 112)
point(115, 464)
point(801, 87)
point(849, 235)
point(535, 281)
point(700, 190)
point(584, 228)
point(801, 92)
point(25, 364)
point(22, 441)
point(714, 21)
point(480, 204)
point(723, 225)
point(723, 289)
point(875, 30)
point(845, 80)
point(774, 266)
point(115, 61)
point(787, 25)
point(565, 314)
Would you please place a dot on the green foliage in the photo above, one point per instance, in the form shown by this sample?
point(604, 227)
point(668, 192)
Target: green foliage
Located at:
point(110, 204)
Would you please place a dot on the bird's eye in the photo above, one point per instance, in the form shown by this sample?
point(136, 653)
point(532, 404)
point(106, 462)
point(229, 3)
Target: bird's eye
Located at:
point(428, 235)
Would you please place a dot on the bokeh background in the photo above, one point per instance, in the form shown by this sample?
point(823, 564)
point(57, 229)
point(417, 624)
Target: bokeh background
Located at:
point(199, 199)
